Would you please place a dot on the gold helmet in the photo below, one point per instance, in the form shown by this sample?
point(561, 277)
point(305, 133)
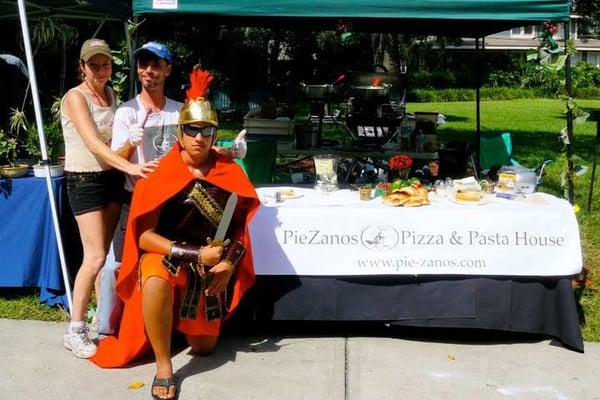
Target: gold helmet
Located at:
point(197, 108)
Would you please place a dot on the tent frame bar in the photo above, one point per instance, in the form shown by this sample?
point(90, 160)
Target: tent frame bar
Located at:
point(42, 138)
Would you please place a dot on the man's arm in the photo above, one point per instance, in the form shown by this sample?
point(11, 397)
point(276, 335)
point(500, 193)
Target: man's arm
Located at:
point(120, 133)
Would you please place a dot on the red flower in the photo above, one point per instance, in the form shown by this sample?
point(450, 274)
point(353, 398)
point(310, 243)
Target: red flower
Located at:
point(400, 161)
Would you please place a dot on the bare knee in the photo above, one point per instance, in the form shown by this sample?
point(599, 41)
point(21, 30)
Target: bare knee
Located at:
point(155, 286)
point(94, 262)
point(202, 345)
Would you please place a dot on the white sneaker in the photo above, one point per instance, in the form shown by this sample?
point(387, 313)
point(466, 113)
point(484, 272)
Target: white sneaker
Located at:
point(95, 323)
point(79, 343)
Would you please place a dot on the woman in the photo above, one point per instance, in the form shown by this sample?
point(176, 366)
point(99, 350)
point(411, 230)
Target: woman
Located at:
point(172, 277)
point(93, 184)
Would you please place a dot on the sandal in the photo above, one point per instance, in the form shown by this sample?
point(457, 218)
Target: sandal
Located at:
point(165, 383)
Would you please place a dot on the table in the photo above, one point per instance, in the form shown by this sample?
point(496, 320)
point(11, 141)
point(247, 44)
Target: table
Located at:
point(27, 240)
point(515, 286)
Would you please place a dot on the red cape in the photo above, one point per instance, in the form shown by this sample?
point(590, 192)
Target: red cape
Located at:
point(171, 176)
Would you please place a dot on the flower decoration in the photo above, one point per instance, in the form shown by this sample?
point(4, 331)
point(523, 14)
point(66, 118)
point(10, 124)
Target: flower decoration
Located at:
point(547, 37)
point(342, 26)
point(400, 162)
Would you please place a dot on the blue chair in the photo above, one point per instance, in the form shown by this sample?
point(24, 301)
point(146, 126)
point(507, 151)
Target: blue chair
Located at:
point(223, 104)
point(256, 98)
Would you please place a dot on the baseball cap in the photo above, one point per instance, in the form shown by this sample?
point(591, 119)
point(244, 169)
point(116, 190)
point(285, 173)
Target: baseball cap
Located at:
point(156, 48)
point(91, 47)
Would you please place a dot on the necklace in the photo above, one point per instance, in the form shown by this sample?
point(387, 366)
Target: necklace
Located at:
point(101, 102)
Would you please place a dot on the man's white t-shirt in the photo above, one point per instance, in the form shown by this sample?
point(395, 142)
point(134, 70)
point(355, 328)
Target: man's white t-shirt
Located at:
point(160, 131)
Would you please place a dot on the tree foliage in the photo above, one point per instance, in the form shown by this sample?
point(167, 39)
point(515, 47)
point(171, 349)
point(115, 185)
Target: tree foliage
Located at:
point(589, 11)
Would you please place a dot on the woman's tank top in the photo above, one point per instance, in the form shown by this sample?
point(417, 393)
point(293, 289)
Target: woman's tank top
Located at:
point(78, 157)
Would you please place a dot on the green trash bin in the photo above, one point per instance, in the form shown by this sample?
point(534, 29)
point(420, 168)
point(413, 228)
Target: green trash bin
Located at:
point(259, 163)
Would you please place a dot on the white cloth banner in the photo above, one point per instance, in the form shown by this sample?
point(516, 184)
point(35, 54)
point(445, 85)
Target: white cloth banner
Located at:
point(337, 234)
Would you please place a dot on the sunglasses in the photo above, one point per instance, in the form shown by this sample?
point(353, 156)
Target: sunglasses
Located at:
point(193, 131)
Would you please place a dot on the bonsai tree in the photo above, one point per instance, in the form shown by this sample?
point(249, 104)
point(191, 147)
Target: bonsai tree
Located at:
point(8, 148)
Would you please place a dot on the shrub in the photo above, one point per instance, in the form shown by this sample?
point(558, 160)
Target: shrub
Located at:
point(487, 93)
point(592, 93)
point(585, 75)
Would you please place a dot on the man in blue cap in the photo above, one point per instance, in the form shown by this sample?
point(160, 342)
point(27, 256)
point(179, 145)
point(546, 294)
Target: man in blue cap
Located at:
point(144, 129)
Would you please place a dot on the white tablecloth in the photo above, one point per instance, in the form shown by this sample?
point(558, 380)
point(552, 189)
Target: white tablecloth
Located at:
point(338, 234)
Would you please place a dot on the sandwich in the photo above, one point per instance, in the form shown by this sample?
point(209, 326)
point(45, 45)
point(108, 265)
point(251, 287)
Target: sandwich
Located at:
point(470, 196)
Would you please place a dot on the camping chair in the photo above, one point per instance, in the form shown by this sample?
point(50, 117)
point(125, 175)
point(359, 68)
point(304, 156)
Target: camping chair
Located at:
point(495, 151)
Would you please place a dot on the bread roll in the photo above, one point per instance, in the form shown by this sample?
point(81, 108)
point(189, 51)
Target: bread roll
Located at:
point(468, 196)
point(396, 199)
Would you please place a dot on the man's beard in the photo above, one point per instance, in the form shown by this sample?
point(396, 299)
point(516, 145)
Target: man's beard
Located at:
point(152, 85)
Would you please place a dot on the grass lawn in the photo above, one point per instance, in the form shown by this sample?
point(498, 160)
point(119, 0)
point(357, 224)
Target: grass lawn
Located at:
point(535, 125)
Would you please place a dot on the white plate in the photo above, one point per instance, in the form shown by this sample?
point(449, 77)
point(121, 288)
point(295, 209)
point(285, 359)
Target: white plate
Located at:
point(286, 196)
point(484, 200)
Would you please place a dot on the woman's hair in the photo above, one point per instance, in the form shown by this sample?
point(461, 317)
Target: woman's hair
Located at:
point(80, 75)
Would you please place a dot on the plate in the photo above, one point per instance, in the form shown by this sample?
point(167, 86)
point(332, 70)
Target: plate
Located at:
point(484, 200)
point(286, 194)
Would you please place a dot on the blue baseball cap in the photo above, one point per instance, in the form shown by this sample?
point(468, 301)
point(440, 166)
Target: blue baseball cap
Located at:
point(158, 49)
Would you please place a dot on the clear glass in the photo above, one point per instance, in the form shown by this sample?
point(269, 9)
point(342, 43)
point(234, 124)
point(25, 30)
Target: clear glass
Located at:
point(440, 188)
point(488, 186)
point(326, 172)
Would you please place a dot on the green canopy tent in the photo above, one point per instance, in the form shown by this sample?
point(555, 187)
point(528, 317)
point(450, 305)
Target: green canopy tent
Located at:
point(467, 18)
point(460, 18)
point(113, 10)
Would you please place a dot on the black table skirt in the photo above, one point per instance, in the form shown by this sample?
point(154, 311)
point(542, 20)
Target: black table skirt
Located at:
point(543, 306)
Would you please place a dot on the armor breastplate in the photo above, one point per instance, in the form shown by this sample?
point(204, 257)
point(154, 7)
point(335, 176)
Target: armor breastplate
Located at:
point(193, 214)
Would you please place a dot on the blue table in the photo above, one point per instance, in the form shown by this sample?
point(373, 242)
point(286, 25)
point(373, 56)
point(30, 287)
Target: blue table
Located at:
point(28, 251)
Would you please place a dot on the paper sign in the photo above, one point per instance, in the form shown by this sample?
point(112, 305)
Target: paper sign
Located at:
point(164, 4)
point(506, 183)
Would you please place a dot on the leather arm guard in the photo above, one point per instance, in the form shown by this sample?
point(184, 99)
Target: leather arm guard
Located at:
point(182, 253)
point(233, 253)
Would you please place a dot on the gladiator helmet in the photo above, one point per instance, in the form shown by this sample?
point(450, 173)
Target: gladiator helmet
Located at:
point(197, 108)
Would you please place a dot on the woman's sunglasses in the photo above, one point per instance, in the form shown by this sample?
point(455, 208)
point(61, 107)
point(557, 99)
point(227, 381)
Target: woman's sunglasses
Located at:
point(193, 131)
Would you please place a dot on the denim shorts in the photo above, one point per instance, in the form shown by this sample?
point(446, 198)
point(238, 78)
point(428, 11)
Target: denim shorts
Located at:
point(89, 191)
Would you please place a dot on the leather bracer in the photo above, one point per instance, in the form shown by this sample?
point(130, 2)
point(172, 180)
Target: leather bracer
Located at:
point(182, 253)
point(234, 253)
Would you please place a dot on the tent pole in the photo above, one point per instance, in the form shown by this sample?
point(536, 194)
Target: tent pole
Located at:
point(477, 105)
point(569, 146)
point(98, 28)
point(131, 45)
point(42, 138)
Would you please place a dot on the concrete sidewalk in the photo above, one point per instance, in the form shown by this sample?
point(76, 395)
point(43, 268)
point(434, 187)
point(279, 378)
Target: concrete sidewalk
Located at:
point(35, 365)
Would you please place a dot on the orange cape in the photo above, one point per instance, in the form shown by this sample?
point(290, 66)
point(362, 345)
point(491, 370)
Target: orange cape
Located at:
point(171, 176)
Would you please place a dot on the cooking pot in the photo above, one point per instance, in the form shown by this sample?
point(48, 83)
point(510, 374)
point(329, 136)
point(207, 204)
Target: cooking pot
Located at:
point(317, 91)
point(371, 92)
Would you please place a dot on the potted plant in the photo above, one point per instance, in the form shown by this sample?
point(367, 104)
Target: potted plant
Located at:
point(54, 144)
point(8, 154)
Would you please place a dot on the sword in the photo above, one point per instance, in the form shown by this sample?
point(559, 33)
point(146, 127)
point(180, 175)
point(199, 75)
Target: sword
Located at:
point(219, 238)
